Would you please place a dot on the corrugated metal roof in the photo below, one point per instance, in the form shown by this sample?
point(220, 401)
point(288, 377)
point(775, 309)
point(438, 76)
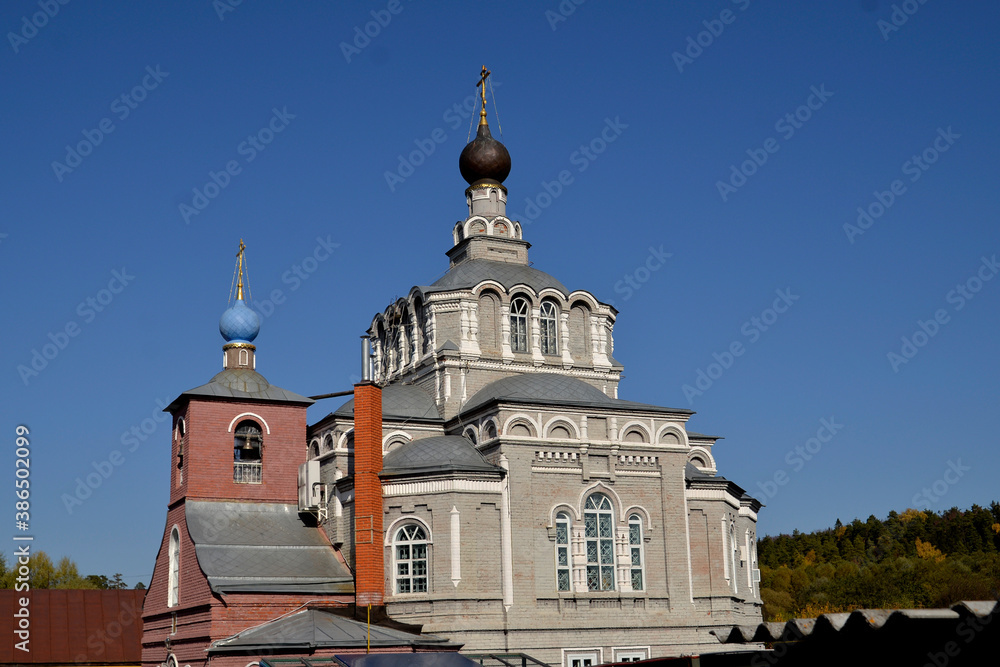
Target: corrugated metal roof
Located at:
point(861, 620)
point(74, 626)
point(263, 547)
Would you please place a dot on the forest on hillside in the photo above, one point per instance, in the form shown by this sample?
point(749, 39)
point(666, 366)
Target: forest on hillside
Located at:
point(913, 560)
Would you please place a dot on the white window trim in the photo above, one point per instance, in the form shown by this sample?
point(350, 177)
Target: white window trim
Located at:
point(620, 652)
point(569, 653)
point(254, 415)
point(427, 557)
point(174, 567)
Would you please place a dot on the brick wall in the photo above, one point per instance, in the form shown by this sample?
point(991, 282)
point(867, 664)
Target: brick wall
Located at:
point(369, 572)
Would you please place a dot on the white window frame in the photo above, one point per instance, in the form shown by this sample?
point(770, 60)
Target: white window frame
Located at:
point(519, 333)
point(629, 653)
point(636, 548)
point(595, 654)
point(174, 568)
point(396, 561)
point(605, 582)
point(734, 554)
point(567, 548)
point(548, 325)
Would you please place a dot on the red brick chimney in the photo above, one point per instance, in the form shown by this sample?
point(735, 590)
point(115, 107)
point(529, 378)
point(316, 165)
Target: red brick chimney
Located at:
point(369, 567)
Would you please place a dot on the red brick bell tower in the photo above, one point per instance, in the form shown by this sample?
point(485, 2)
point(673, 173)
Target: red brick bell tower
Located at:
point(236, 551)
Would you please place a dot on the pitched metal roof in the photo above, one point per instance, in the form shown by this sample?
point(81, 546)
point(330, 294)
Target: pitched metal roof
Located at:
point(71, 626)
point(242, 383)
point(551, 388)
point(320, 628)
point(263, 547)
point(441, 453)
point(400, 401)
point(470, 273)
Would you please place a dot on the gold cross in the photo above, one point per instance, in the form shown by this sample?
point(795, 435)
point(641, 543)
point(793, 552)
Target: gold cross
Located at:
point(239, 286)
point(482, 82)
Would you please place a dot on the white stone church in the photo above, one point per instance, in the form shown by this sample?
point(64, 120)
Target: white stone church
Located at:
point(528, 508)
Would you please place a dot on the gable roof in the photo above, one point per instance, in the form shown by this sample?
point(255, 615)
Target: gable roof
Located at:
point(263, 547)
point(71, 626)
point(320, 628)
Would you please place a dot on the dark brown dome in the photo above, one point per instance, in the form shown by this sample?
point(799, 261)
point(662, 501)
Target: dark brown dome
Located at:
point(484, 158)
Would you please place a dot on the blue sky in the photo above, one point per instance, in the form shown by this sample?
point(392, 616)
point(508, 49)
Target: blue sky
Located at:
point(740, 138)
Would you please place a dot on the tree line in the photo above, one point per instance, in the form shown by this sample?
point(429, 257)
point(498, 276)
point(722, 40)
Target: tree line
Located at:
point(914, 560)
point(64, 574)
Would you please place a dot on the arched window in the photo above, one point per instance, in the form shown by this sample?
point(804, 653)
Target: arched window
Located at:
point(635, 549)
point(599, 529)
point(248, 445)
point(519, 325)
point(174, 571)
point(548, 325)
point(734, 553)
point(562, 552)
point(409, 551)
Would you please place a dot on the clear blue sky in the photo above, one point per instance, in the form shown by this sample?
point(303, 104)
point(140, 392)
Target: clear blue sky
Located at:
point(864, 94)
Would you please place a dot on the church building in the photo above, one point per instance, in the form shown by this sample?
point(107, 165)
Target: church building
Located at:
point(526, 507)
point(485, 483)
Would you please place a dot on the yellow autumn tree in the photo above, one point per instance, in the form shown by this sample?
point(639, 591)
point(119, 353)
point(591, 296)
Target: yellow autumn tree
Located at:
point(928, 551)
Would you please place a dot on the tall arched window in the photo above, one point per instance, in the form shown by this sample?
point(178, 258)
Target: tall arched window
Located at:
point(734, 553)
point(409, 551)
point(599, 529)
point(548, 325)
point(562, 552)
point(248, 445)
point(519, 325)
point(635, 550)
point(174, 571)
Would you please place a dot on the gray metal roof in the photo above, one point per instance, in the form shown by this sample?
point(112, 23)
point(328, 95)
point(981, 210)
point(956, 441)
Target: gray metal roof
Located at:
point(861, 620)
point(319, 628)
point(242, 383)
point(263, 547)
point(470, 273)
point(440, 453)
point(551, 388)
point(400, 401)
